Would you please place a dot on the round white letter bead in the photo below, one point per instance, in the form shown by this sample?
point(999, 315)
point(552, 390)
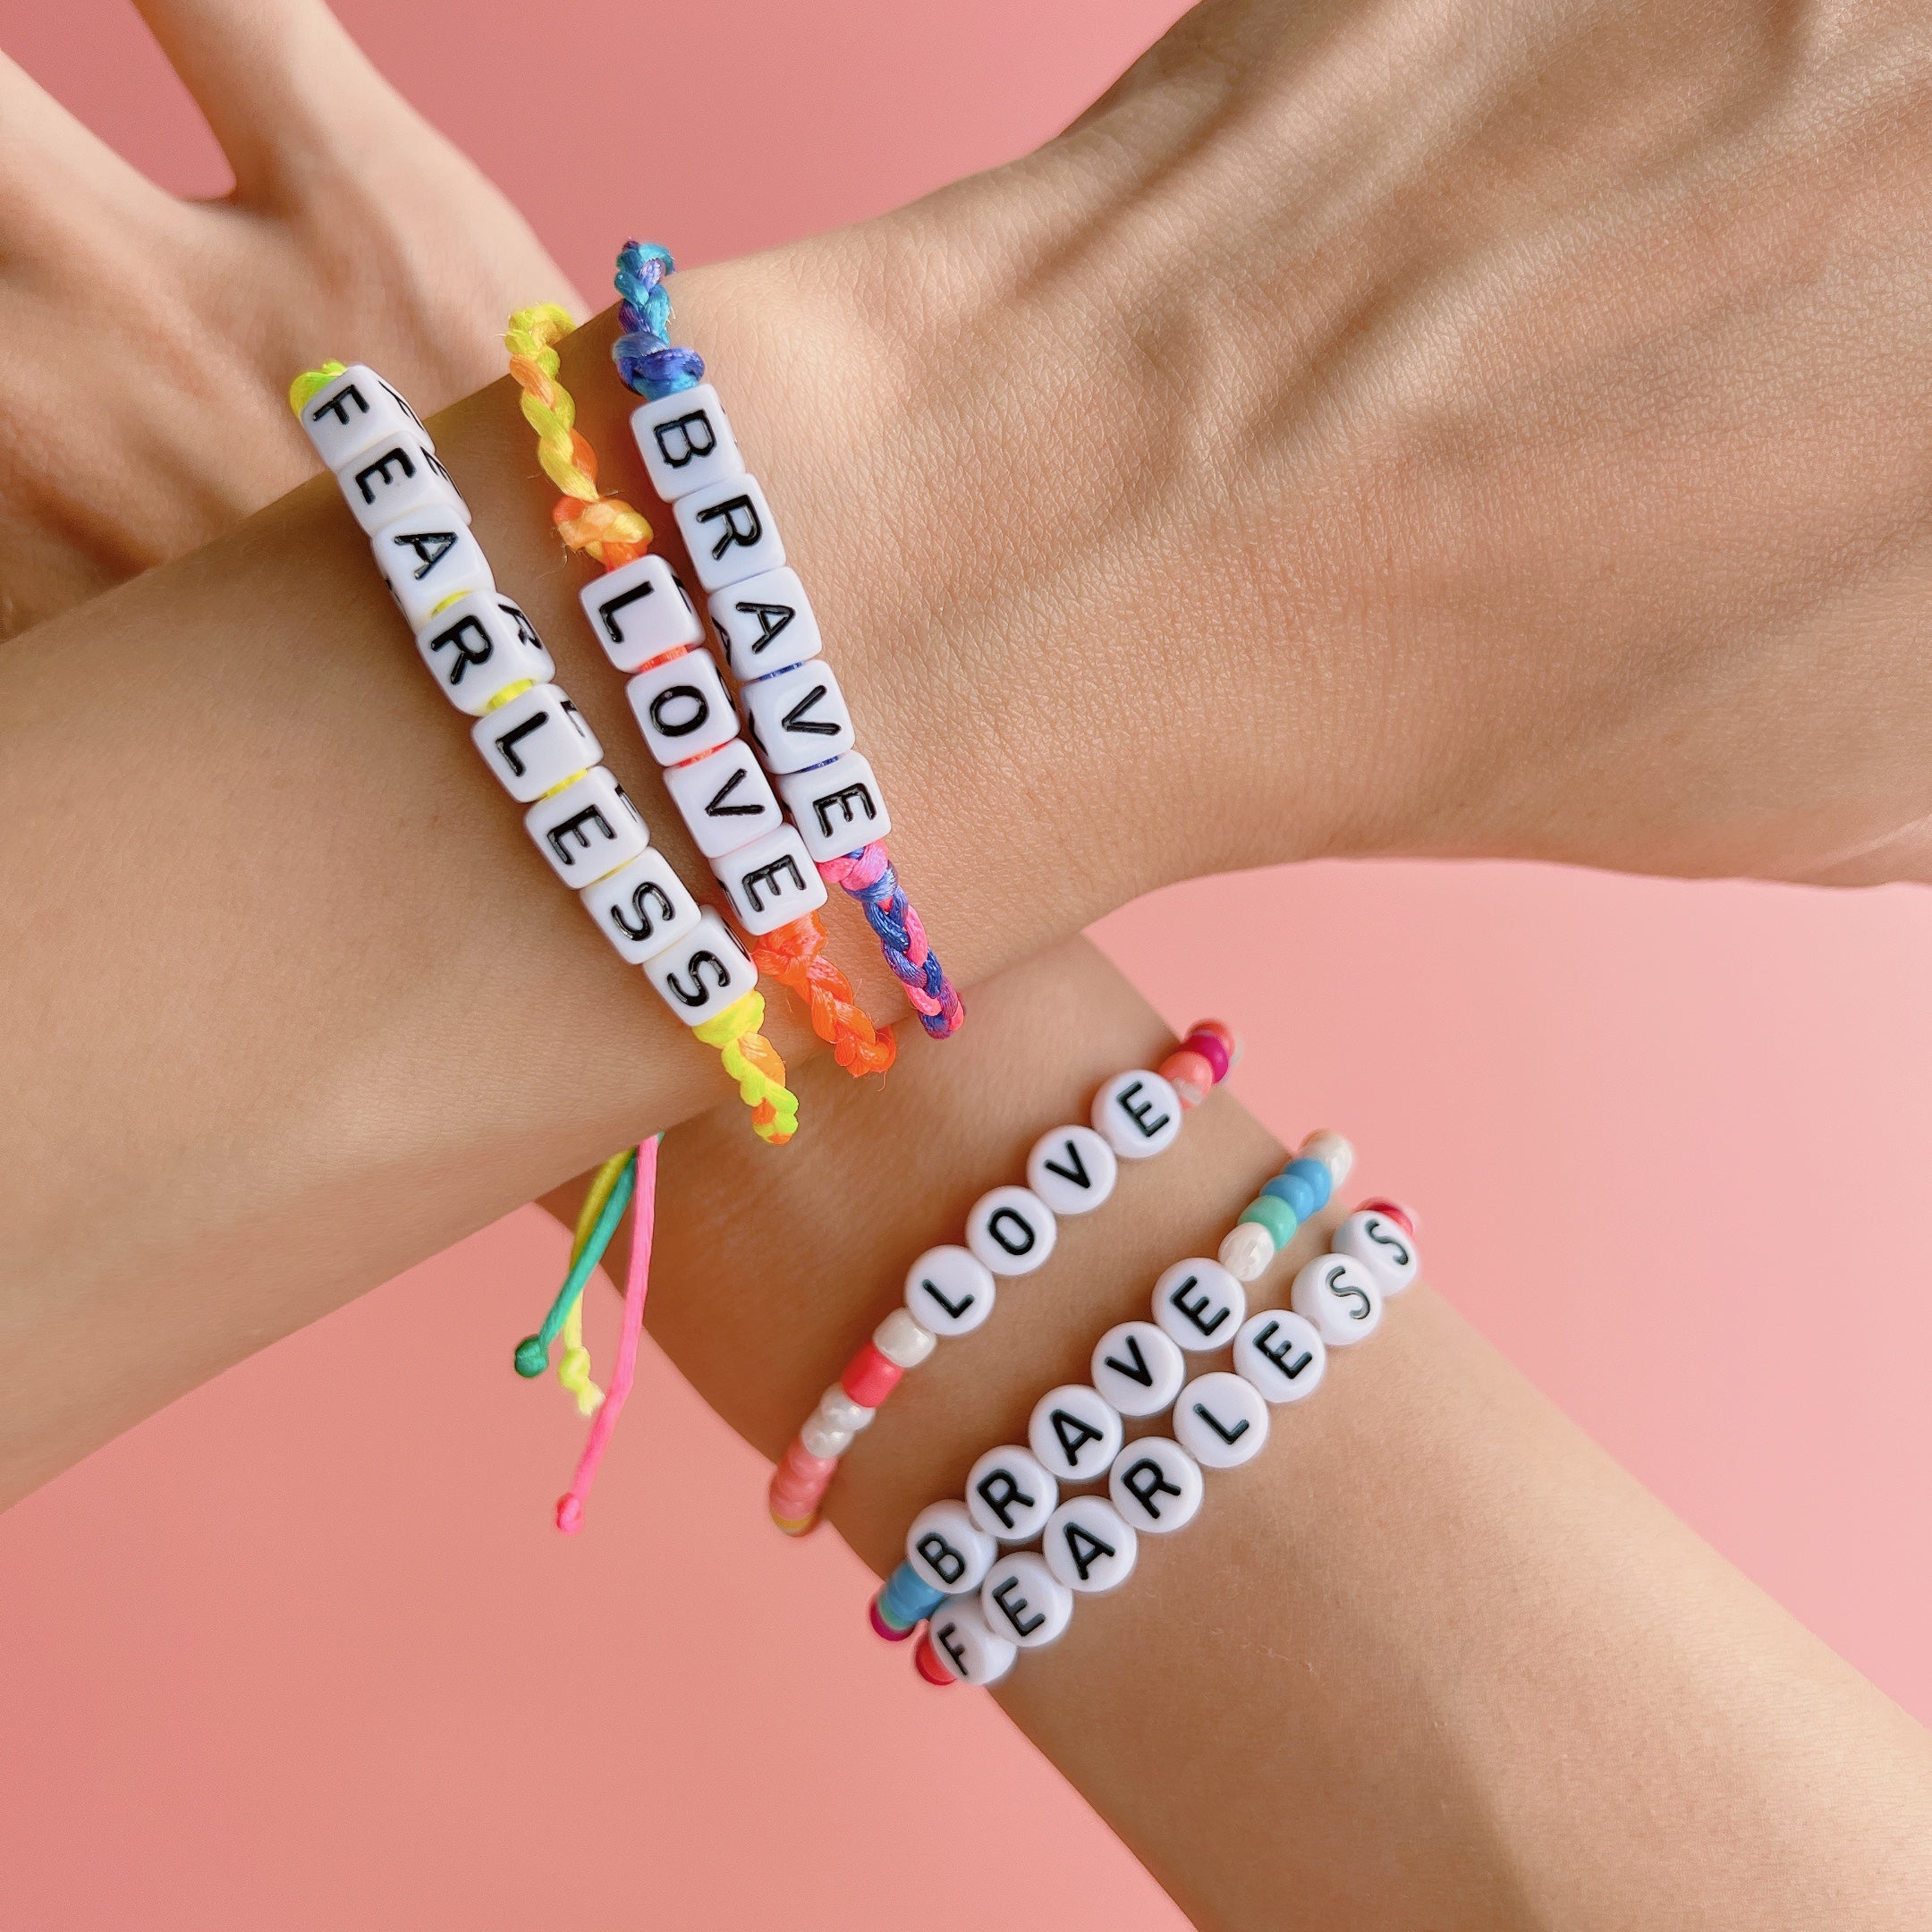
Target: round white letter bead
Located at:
point(1246, 1250)
point(950, 1290)
point(837, 1409)
point(1381, 1247)
point(397, 478)
point(1282, 1354)
point(771, 882)
point(1156, 1485)
point(640, 611)
point(1138, 1113)
point(1138, 1368)
point(685, 441)
point(1339, 1295)
point(1010, 1494)
point(353, 411)
point(681, 707)
point(588, 829)
point(642, 908)
point(705, 972)
point(948, 1549)
point(1075, 1433)
point(1012, 1230)
point(1089, 1546)
point(1336, 1154)
point(727, 527)
point(535, 743)
point(973, 1652)
point(798, 717)
point(1200, 1304)
point(428, 560)
point(1221, 1420)
point(1071, 1169)
point(838, 808)
point(903, 1339)
point(482, 644)
point(725, 801)
point(1023, 1600)
point(820, 1439)
point(765, 624)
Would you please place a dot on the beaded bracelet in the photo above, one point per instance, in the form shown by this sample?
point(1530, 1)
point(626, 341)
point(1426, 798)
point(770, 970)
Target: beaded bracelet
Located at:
point(795, 714)
point(1011, 1231)
point(641, 614)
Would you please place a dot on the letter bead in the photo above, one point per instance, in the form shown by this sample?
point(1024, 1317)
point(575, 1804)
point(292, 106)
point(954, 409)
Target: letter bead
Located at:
point(1024, 1601)
point(685, 441)
point(588, 829)
point(1075, 1433)
point(642, 908)
point(399, 476)
point(1156, 1485)
point(948, 1549)
point(950, 1290)
point(1010, 1494)
point(728, 528)
point(1282, 1353)
point(536, 742)
point(703, 973)
point(1221, 1420)
point(355, 411)
point(765, 624)
point(771, 882)
point(1010, 1230)
point(1138, 1368)
point(969, 1650)
point(1340, 1296)
point(903, 1339)
point(480, 646)
point(1071, 1169)
point(1383, 1246)
point(640, 611)
point(428, 560)
point(1138, 1113)
point(838, 808)
point(1198, 1304)
point(726, 801)
point(681, 707)
point(799, 717)
point(1089, 1546)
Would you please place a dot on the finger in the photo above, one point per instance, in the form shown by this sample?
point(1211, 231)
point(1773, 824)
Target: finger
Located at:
point(44, 155)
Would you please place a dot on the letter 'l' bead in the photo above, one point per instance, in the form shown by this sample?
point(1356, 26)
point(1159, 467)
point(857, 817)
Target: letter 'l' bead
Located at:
point(903, 1339)
point(1011, 1231)
point(1382, 1245)
point(1024, 1601)
point(640, 611)
point(536, 742)
point(1340, 1296)
point(950, 1290)
point(948, 1549)
point(1071, 1169)
point(1138, 1114)
point(703, 973)
point(1221, 1420)
point(965, 1645)
point(588, 829)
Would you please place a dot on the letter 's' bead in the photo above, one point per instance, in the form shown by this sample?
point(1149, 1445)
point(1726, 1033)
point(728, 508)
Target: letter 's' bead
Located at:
point(1387, 1250)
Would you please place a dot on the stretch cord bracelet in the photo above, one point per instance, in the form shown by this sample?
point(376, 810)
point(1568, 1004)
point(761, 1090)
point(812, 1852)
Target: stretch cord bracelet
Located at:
point(795, 714)
point(1076, 1435)
point(640, 614)
point(950, 1290)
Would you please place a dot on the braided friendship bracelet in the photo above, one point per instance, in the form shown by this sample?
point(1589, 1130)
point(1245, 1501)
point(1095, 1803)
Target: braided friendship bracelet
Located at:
point(642, 616)
point(796, 715)
point(1011, 1231)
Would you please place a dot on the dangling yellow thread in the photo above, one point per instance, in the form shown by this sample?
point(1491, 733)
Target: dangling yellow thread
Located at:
point(573, 1370)
point(306, 384)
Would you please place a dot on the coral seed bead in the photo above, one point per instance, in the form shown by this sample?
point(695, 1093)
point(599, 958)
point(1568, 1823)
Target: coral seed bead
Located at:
point(1192, 1075)
point(929, 1666)
point(870, 1376)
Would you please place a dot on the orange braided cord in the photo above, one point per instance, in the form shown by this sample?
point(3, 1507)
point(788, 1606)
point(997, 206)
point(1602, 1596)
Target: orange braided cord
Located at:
point(794, 955)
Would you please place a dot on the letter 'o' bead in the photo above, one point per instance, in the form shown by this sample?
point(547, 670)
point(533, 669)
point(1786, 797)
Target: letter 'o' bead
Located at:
point(967, 1647)
point(1075, 1432)
point(1221, 1420)
point(1089, 1546)
point(950, 1290)
point(948, 1549)
point(1198, 1304)
point(1282, 1353)
point(681, 707)
point(1138, 1113)
point(1246, 1249)
point(1010, 1230)
point(903, 1339)
point(1156, 1485)
point(1071, 1169)
point(1138, 1368)
point(1024, 1601)
point(1340, 1296)
point(1010, 1494)
point(1385, 1248)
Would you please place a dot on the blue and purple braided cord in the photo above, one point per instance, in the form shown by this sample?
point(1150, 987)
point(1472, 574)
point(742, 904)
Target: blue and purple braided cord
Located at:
point(654, 367)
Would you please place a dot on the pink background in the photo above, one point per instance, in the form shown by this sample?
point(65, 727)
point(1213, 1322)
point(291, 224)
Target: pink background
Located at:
point(1669, 1142)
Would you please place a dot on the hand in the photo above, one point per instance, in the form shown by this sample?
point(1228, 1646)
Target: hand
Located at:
point(150, 339)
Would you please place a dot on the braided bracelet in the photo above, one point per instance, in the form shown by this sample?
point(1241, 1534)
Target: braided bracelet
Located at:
point(1010, 1230)
point(795, 714)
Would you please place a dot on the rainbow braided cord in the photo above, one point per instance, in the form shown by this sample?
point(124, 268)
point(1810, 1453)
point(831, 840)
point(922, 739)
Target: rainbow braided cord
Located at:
point(654, 367)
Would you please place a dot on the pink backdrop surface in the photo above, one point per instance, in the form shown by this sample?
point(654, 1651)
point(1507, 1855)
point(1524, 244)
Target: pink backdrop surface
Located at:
point(1668, 1140)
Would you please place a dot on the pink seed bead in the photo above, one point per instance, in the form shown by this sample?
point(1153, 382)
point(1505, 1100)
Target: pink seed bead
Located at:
point(1192, 1075)
point(801, 1464)
point(1404, 1218)
point(884, 1628)
point(870, 1376)
point(1229, 1038)
point(1210, 1049)
point(929, 1666)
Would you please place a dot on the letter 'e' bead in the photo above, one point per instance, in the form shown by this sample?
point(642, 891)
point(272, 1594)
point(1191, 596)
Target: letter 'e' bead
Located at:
point(1282, 1353)
point(1382, 1246)
point(588, 829)
point(703, 973)
point(1200, 1304)
point(771, 882)
point(1071, 1169)
point(1138, 1113)
point(1010, 1230)
point(1023, 1600)
point(1339, 1295)
point(838, 808)
point(642, 908)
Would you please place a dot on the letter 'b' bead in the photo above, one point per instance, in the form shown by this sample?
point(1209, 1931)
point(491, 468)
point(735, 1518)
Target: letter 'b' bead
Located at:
point(948, 1549)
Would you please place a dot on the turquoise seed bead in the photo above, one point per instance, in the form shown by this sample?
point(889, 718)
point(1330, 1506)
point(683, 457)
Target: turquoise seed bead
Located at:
point(1316, 1173)
point(1276, 1215)
point(1297, 1190)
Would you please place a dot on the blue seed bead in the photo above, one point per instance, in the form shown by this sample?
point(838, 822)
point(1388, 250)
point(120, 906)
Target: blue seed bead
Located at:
point(1297, 1190)
point(1276, 1215)
point(908, 1598)
point(1316, 1173)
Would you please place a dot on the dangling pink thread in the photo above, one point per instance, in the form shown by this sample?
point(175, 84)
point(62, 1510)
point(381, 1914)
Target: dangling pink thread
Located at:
point(570, 1508)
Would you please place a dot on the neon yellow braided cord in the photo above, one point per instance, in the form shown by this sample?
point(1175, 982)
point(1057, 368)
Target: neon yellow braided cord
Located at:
point(752, 1061)
point(306, 384)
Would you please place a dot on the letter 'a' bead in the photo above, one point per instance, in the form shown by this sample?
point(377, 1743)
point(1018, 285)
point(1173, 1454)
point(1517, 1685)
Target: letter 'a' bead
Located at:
point(588, 829)
point(1011, 1231)
point(1221, 1420)
point(967, 1646)
point(949, 1289)
point(1024, 1601)
point(1071, 1169)
point(428, 560)
point(799, 717)
point(685, 441)
point(903, 1339)
point(1156, 1485)
point(1340, 1296)
point(640, 611)
point(728, 528)
point(355, 411)
point(1010, 1494)
point(1282, 1353)
point(1200, 1304)
point(1138, 1114)
point(838, 808)
point(703, 973)
point(536, 742)
point(1138, 1368)
point(1385, 1248)
point(948, 1549)
point(642, 908)
point(771, 882)
point(481, 645)
point(765, 624)
point(1089, 1546)
point(725, 801)
point(1075, 1433)
point(682, 708)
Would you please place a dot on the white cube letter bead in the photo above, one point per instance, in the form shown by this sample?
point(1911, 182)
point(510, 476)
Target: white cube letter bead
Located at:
point(481, 645)
point(837, 807)
point(798, 717)
point(685, 442)
point(1156, 1485)
point(948, 1549)
point(765, 624)
point(398, 477)
point(1282, 1353)
point(1138, 1368)
point(903, 1339)
point(1339, 1295)
point(1010, 1494)
point(1335, 1153)
point(771, 882)
point(1074, 1433)
point(588, 829)
point(536, 742)
point(1138, 1114)
point(1246, 1249)
point(1012, 1230)
point(1071, 1169)
point(1200, 1304)
point(1221, 1420)
point(681, 707)
point(427, 559)
point(950, 1290)
point(727, 527)
point(970, 1649)
point(642, 908)
point(641, 611)
point(726, 800)
point(704, 972)
point(1381, 1247)
point(356, 410)
point(1089, 1546)
point(1024, 1601)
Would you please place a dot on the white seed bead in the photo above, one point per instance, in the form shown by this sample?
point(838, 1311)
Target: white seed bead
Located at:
point(1075, 1432)
point(1138, 1367)
point(950, 1290)
point(1010, 1230)
point(1246, 1249)
point(1221, 1420)
point(535, 743)
point(1198, 1304)
point(1138, 1113)
point(1089, 1546)
point(1025, 1601)
point(1339, 1295)
point(427, 560)
point(1336, 1154)
point(686, 441)
point(820, 1440)
point(640, 611)
point(643, 909)
point(1156, 1485)
point(481, 645)
point(728, 528)
point(354, 411)
point(1071, 1169)
point(838, 808)
point(968, 1645)
point(948, 1549)
point(903, 1339)
point(588, 829)
point(1010, 1494)
point(725, 801)
point(1382, 1246)
point(836, 1409)
point(1282, 1353)
point(705, 972)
